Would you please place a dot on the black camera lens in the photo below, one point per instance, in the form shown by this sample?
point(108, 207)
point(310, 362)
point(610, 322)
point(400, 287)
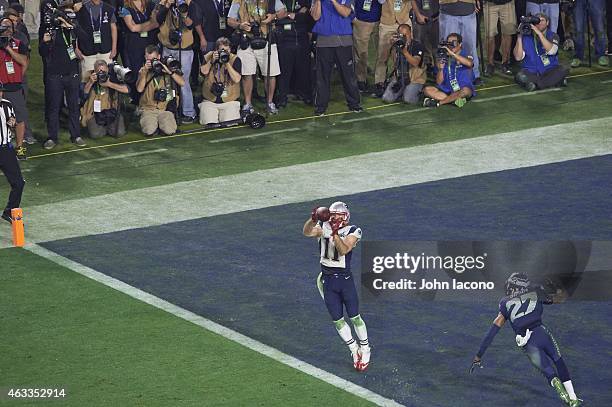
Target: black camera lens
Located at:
point(102, 76)
point(217, 89)
point(224, 56)
point(157, 67)
point(160, 95)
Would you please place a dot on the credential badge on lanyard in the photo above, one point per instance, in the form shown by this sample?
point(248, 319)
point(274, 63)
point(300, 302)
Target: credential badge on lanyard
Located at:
point(426, 5)
point(367, 5)
point(397, 5)
point(97, 34)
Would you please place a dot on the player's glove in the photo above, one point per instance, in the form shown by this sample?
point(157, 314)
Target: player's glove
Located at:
point(477, 362)
point(313, 214)
point(335, 226)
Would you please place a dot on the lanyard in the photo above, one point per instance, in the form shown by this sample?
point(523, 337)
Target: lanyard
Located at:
point(535, 45)
point(65, 39)
point(93, 27)
point(220, 6)
point(449, 71)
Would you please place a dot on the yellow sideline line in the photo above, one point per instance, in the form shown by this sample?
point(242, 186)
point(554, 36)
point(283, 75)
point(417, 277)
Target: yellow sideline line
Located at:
point(123, 143)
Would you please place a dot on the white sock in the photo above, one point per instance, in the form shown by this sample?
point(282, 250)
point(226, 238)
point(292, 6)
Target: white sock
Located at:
point(361, 331)
point(345, 333)
point(569, 387)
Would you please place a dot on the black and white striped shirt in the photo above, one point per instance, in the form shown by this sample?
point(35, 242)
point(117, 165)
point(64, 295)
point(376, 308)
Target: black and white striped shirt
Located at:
point(6, 112)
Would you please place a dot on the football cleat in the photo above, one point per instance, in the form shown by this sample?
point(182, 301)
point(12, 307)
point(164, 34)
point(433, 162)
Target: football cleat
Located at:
point(364, 358)
point(560, 389)
point(356, 360)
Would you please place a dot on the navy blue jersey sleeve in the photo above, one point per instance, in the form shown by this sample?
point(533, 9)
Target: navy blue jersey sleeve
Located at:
point(503, 309)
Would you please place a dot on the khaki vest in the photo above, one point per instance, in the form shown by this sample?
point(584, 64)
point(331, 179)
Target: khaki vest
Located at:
point(417, 75)
point(391, 17)
point(170, 24)
point(253, 11)
point(232, 88)
point(457, 1)
point(147, 99)
point(107, 98)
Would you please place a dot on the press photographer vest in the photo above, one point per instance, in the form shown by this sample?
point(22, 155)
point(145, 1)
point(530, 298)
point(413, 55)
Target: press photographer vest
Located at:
point(8, 62)
point(254, 11)
point(147, 99)
point(107, 98)
point(87, 26)
point(391, 16)
point(172, 23)
point(232, 89)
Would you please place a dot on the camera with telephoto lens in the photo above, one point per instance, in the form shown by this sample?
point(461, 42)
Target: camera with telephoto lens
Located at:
point(224, 57)
point(122, 73)
point(526, 22)
point(160, 95)
point(53, 16)
point(399, 41)
point(157, 67)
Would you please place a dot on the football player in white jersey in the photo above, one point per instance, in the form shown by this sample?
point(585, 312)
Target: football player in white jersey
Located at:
point(337, 238)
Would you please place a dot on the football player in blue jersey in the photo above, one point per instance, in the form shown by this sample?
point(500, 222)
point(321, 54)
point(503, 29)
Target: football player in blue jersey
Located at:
point(337, 238)
point(522, 305)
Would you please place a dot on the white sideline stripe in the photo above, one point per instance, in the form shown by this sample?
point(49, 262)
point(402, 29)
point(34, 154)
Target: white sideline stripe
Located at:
point(608, 81)
point(187, 200)
point(126, 155)
point(376, 116)
point(265, 133)
point(516, 95)
point(477, 100)
point(209, 325)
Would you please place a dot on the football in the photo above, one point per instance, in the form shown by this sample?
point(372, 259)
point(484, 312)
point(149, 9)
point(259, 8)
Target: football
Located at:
point(323, 213)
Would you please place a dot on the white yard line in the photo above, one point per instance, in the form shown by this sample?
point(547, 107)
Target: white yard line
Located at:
point(209, 325)
point(119, 156)
point(315, 181)
point(377, 116)
point(265, 133)
point(516, 95)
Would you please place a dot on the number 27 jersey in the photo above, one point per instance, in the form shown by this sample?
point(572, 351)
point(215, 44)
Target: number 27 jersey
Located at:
point(524, 310)
point(331, 261)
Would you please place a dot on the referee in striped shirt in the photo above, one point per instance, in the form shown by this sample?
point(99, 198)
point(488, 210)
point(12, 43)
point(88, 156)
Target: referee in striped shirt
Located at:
point(8, 158)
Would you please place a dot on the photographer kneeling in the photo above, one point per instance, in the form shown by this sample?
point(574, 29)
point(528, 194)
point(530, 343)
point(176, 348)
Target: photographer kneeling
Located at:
point(537, 48)
point(158, 98)
point(454, 77)
point(100, 112)
point(221, 87)
point(409, 75)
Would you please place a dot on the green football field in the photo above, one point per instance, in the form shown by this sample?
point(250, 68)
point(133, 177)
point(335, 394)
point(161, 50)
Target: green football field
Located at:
point(60, 329)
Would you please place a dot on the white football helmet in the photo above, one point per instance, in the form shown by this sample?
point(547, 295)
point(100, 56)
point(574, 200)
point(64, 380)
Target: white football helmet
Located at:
point(340, 208)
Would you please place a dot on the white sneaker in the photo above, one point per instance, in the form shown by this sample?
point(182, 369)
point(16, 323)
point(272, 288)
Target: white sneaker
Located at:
point(364, 358)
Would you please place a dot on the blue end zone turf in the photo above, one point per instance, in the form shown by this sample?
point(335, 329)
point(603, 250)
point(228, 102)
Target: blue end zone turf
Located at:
point(254, 272)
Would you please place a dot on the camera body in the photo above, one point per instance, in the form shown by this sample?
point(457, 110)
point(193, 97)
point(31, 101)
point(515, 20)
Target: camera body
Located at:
point(5, 39)
point(175, 37)
point(441, 52)
point(217, 88)
point(224, 57)
point(160, 95)
point(172, 63)
point(399, 41)
point(525, 24)
point(182, 6)
point(102, 77)
point(157, 67)
point(51, 18)
point(258, 41)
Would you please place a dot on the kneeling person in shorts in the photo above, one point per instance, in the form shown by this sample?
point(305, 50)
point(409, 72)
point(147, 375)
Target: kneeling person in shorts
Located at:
point(221, 86)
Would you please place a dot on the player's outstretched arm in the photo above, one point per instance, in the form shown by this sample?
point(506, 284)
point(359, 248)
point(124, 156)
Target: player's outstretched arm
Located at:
point(497, 324)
